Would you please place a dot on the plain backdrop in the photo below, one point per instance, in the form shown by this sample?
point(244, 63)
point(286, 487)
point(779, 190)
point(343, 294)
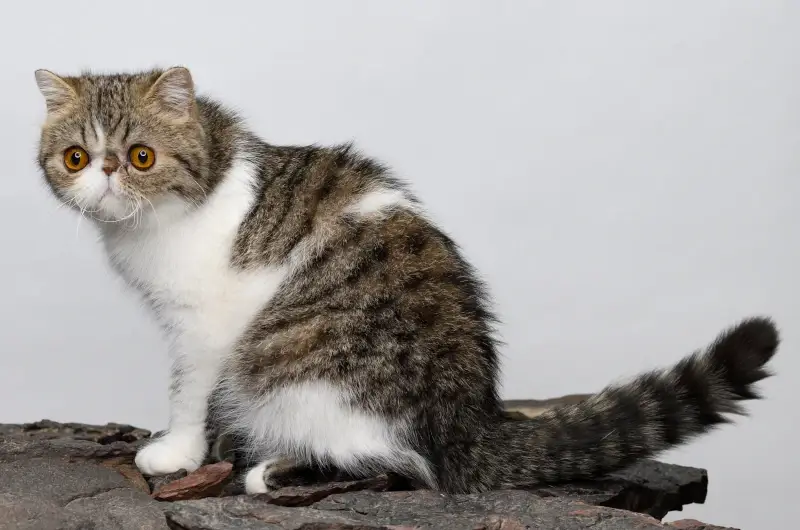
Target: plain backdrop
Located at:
point(624, 174)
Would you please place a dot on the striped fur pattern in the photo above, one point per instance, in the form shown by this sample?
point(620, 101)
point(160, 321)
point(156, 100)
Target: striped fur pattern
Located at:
point(317, 314)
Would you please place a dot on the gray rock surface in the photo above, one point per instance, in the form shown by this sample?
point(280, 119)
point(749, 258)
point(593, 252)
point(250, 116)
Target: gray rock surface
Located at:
point(649, 487)
point(57, 493)
point(73, 476)
point(498, 510)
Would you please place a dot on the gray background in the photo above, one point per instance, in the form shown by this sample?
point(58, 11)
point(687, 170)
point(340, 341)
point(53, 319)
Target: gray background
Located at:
point(624, 174)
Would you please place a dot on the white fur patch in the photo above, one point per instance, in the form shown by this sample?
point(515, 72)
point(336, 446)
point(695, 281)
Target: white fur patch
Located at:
point(181, 259)
point(183, 262)
point(379, 200)
point(100, 146)
point(371, 204)
point(315, 420)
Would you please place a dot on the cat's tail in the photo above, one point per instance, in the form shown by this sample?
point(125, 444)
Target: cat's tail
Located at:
point(652, 413)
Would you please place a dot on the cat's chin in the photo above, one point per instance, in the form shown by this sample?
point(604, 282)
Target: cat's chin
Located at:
point(111, 208)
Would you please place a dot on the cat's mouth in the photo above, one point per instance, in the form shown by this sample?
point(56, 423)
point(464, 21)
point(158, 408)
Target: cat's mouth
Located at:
point(111, 193)
point(114, 205)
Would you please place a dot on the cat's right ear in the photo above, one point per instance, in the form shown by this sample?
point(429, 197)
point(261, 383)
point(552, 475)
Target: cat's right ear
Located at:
point(58, 94)
point(173, 92)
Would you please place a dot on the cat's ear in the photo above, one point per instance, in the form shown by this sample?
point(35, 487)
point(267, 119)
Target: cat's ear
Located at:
point(173, 92)
point(58, 94)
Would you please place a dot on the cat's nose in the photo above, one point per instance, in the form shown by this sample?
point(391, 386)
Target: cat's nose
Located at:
point(110, 165)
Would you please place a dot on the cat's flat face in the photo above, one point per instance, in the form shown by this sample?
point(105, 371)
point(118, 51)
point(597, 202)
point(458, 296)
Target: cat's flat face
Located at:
point(114, 144)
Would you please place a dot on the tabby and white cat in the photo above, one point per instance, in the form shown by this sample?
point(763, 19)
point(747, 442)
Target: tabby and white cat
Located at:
point(322, 317)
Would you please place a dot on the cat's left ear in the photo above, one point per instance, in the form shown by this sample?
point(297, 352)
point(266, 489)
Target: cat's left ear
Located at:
point(58, 94)
point(173, 92)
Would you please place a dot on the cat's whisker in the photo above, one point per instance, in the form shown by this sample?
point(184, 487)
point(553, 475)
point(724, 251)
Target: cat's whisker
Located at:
point(128, 221)
point(65, 204)
point(131, 225)
point(133, 213)
point(137, 219)
point(155, 214)
point(81, 217)
point(205, 195)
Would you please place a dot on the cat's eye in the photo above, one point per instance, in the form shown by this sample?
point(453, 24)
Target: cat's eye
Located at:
point(142, 157)
point(75, 159)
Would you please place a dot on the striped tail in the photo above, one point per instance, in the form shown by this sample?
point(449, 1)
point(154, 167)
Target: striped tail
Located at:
point(654, 412)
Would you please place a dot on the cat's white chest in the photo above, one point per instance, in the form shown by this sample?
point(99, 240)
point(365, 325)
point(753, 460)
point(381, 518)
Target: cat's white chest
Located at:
point(183, 267)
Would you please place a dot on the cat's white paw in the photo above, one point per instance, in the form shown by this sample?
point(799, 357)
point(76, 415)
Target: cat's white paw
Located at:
point(257, 480)
point(171, 453)
point(254, 480)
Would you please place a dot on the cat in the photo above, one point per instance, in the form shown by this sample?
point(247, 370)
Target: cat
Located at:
point(316, 311)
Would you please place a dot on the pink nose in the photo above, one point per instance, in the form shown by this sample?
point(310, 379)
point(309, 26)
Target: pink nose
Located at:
point(110, 165)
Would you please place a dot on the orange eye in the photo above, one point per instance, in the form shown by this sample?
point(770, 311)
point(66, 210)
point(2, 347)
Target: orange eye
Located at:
point(142, 157)
point(75, 159)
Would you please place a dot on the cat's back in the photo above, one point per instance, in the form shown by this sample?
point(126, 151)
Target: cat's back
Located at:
point(379, 299)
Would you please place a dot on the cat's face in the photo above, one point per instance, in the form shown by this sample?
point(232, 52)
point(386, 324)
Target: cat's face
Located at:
point(113, 145)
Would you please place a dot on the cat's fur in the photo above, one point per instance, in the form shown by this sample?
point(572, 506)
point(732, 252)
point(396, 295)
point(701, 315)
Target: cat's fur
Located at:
point(324, 317)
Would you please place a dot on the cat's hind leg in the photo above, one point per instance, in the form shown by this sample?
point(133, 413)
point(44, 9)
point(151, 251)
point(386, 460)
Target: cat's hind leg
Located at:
point(271, 474)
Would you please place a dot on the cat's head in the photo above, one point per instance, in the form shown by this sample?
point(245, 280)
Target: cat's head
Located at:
point(111, 143)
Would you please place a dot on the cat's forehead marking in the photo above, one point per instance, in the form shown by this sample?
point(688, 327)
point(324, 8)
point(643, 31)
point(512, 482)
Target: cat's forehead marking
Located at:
point(108, 100)
point(100, 136)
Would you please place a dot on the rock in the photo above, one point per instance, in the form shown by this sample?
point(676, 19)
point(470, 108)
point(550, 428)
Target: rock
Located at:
point(55, 493)
point(11, 450)
point(207, 481)
point(156, 483)
point(74, 476)
point(648, 487)
point(48, 430)
point(530, 408)
point(127, 469)
point(692, 524)
point(69, 440)
point(308, 495)
point(498, 510)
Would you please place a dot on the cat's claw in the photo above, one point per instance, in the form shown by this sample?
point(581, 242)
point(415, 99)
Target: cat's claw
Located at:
point(171, 453)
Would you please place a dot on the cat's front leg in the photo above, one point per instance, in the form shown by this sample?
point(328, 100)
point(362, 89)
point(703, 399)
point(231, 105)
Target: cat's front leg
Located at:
point(184, 445)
